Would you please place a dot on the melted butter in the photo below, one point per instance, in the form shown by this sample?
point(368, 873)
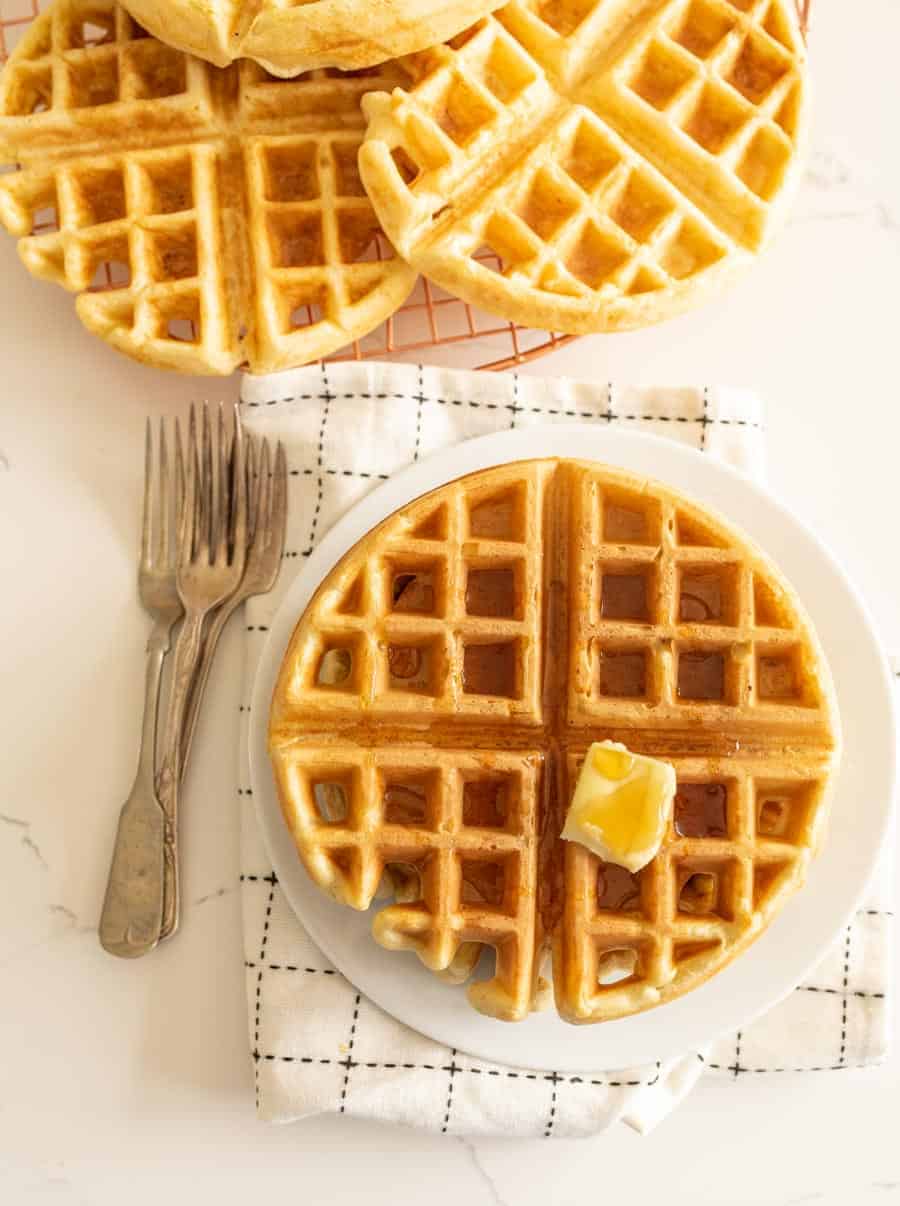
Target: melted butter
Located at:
point(621, 805)
point(617, 889)
point(628, 816)
point(611, 763)
point(700, 810)
point(490, 669)
point(701, 676)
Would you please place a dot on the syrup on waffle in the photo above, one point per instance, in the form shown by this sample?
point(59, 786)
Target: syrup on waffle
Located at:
point(447, 679)
point(206, 218)
point(617, 161)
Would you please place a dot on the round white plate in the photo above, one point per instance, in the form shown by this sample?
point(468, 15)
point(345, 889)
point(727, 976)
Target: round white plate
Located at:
point(797, 938)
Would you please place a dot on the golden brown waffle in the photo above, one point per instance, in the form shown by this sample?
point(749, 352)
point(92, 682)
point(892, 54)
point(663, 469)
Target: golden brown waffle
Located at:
point(206, 218)
point(683, 622)
point(475, 859)
point(290, 36)
point(740, 842)
point(433, 630)
point(443, 686)
point(592, 165)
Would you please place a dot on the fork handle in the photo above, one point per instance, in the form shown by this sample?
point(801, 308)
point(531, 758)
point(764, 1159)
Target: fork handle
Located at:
point(131, 919)
point(215, 628)
point(188, 649)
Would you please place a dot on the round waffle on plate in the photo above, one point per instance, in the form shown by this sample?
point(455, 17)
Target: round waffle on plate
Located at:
point(207, 218)
point(445, 682)
point(592, 165)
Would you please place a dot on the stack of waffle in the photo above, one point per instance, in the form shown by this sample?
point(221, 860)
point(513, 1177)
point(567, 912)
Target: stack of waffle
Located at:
point(258, 185)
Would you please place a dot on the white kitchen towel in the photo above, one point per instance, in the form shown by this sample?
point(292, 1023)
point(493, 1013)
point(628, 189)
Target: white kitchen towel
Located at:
point(318, 1045)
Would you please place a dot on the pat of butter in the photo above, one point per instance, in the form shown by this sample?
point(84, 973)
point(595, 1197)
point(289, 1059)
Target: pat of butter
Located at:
point(621, 806)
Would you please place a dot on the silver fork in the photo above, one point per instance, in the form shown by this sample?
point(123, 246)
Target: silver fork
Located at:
point(266, 523)
point(210, 568)
point(133, 906)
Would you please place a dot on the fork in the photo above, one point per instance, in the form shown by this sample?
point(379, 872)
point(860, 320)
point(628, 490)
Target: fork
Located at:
point(266, 521)
point(133, 905)
point(210, 568)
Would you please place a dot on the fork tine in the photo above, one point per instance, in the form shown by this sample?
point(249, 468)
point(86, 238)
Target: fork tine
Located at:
point(250, 456)
point(229, 469)
point(264, 494)
point(179, 520)
point(239, 494)
point(278, 514)
point(204, 543)
point(162, 539)
point(189, 526)
point(223, 500)
point(147, 523)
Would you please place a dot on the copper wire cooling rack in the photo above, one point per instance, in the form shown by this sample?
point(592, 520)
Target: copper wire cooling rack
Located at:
point(431, 318)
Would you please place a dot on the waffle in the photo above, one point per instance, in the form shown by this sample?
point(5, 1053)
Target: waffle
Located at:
point(740, 843)
point(206, 218)
point(290, 36)
point(592, 165)
point(442, 688)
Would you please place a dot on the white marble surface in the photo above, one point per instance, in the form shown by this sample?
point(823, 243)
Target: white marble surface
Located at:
point(123, 1082)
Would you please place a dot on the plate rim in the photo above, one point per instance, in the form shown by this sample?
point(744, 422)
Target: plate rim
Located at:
point(498, 1044)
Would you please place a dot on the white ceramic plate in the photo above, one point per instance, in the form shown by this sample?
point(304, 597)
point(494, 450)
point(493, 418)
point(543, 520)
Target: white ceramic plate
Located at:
point(797, 938)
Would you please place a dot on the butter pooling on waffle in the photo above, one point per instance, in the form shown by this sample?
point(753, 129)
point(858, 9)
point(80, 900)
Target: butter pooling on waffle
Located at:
point(592, 165)
point(206, 218)
point(290, 36)
point(443, 686)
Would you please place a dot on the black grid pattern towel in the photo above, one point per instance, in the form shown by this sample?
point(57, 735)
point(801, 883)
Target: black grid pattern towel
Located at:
point(319, 1046)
